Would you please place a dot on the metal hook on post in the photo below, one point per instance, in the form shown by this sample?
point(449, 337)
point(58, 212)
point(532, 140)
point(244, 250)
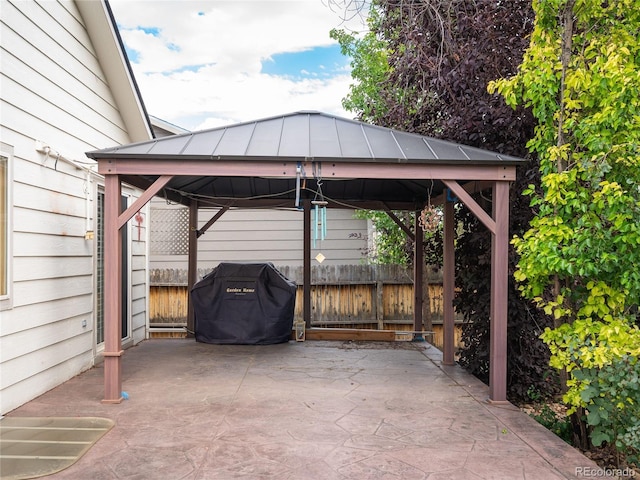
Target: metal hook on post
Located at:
point(298, 174)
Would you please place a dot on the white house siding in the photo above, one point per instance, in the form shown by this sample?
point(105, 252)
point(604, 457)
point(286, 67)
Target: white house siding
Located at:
point(253, 235)
point(53, 91)
point(139, 293)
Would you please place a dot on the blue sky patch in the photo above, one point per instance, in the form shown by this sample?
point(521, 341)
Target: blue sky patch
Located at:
point(155, 31)
point(318, 62)
point(190, 68)
point(132, 55)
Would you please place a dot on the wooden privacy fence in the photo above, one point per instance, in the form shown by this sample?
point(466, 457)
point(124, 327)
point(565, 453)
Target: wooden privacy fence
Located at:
point(349, 296)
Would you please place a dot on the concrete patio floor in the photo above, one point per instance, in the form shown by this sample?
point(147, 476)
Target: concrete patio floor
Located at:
point(310, 410)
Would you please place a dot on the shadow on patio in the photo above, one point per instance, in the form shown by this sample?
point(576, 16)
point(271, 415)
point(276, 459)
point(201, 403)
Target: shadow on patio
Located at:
point(311, 410)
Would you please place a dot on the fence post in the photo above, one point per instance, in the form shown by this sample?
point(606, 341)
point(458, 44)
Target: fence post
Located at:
point(380, 304)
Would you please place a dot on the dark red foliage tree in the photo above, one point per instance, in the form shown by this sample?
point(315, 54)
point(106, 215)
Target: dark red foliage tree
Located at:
point(443, 53)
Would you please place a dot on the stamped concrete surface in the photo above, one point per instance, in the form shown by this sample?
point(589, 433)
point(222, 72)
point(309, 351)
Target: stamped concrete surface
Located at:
point(310, 410)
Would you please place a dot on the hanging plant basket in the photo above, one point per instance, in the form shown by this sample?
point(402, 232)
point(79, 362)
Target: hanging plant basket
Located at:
point(430, 219)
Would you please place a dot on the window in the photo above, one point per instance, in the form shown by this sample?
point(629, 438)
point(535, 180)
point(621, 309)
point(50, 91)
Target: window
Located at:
point(100, 272)
point(100, 269)
point(5, 228)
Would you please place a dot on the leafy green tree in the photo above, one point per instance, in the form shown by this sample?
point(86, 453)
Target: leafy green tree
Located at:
point(389, 242)
point(370, 68)
point(578, 261)
point(368, 99)
point(392, 246)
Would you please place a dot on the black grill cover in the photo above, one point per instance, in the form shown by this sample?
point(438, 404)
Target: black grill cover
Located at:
point(244, 303)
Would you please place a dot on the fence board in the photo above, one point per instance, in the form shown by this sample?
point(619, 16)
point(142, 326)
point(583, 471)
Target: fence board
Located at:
point(320, 274)
point(344, 294)
point(376, 297)
point(168, 304)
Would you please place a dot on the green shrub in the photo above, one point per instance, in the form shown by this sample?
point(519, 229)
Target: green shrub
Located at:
point(559, 425)
point(602, 361)
point(612, 396)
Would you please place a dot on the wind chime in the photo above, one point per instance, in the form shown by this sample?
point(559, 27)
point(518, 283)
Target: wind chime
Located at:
point(319, 205)
point(319, 216)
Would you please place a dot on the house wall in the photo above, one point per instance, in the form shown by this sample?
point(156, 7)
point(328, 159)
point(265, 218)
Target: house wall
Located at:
point(252, 235)
point(54, 94)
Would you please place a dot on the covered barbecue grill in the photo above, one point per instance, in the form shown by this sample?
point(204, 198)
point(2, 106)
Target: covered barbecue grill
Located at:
point(244, 303)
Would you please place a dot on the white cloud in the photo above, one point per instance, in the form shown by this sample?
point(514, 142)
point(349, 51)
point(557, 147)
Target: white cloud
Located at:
point(198, 63)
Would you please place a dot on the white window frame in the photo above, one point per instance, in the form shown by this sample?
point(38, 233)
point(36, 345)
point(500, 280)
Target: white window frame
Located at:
point(128, 335)
point(6, 300)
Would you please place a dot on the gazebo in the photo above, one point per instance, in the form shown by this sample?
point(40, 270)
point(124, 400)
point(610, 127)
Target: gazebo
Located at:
point(302, 159)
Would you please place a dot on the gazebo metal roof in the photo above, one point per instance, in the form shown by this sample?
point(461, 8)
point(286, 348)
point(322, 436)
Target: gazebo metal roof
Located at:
point(288, 161)
point(299, 140)
point(307, 135)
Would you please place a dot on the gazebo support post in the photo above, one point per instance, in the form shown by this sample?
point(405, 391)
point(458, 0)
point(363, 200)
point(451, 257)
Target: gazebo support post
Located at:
point(112, 291)
point(192, 268)
point(499, 294)
point(306, 264)
point(448, 342)
point(418, 268)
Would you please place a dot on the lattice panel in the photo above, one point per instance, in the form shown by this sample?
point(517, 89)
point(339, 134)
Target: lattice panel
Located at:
point(170, 231)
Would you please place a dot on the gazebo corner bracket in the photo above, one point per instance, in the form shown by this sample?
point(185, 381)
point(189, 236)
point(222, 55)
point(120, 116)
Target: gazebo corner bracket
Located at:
point(475, 208)
point(143, 199)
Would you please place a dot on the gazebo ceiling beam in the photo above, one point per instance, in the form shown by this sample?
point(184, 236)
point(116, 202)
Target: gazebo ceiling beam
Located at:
point(144, 184)
point(289, 204)
point(287, 169)
point(470, 187)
